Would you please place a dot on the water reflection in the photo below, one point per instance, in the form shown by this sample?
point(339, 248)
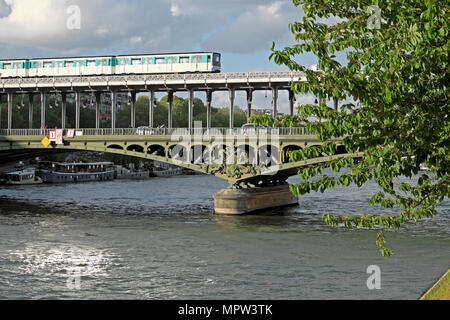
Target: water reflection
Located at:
point(38, 259)
point(159, 239)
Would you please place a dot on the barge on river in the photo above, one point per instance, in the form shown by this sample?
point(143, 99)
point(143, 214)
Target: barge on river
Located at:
point(55, 172)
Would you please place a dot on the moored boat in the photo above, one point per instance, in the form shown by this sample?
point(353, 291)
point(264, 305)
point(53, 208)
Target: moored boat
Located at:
point(55, 172)
point(23, 177)
point(167, 172)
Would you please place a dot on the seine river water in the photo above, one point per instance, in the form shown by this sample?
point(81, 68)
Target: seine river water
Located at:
point(159, 239)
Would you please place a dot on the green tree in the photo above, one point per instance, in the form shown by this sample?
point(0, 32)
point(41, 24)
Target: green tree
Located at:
point(398, 74)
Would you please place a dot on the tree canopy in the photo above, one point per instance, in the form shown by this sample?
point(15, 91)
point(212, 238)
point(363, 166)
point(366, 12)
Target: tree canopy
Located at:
point(396, 70)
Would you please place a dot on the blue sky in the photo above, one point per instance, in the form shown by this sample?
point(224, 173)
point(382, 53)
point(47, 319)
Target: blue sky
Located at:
point(242, 30)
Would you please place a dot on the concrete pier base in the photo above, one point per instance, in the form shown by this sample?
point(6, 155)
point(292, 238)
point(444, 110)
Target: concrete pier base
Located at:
point(243, 201)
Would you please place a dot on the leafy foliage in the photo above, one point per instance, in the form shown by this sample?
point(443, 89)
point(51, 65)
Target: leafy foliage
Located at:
point(398, 76)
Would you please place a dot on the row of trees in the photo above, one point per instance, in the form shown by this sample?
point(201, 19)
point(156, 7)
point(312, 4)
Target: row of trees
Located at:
point(219, 116)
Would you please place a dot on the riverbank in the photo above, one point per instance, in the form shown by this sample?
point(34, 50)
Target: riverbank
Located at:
point(440, 290)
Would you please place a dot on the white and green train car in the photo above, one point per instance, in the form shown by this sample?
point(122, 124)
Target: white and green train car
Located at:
point(79, 66)
point(14, 68)
point(169, 63)
point(112, 65)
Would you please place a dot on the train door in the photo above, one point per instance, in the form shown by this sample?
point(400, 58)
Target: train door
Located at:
point(209, 63)
point(15, 69)
point(79, 68)
point(58, 68)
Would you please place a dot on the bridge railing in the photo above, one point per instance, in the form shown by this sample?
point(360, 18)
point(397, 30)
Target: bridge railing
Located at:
point(152, 77)
point(147, 131)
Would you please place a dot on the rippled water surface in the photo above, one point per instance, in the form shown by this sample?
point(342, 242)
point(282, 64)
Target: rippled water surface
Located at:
point(158, 239)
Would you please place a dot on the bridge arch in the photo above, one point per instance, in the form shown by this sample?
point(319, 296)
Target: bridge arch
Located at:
point(268, 155)
point(340, 149)
point(285, 157)
point(246, 154)
point(136, 148)
point(115, 147)
point(156, 150)
point(199, 154)
point(178, 152)
point(219, 153)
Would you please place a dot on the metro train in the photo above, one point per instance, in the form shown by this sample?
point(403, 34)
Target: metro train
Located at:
point(112, 65)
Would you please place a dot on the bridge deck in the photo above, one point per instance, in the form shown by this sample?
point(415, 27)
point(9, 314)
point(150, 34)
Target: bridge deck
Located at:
point(235, 155)
point(156, 82)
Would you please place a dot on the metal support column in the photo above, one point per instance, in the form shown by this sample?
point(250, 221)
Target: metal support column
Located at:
point(77, 109)
point(151, 109)
point(133, 109)
point(1, 95)
point(249, 104)
point(208, 108)
point(10, 106)
point(191, 108)
point(113, 109)
point(63, 109)
point(291, 102)
point(232, 96)
point(43, 103)
point(336, 103)
point(274, 102)
point(30, 110)
point(170, 114)
point(98, 97)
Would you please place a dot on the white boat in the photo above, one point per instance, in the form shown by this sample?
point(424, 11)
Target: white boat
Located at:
point(23, 177)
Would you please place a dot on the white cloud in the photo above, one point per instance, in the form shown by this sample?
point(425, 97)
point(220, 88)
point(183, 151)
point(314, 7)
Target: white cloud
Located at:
point(256, 28)
point(175, 9)
point(135, 41)
point(153, 26)
point(5, 9)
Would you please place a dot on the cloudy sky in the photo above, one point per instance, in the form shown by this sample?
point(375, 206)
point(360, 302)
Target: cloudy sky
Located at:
point(242, 30)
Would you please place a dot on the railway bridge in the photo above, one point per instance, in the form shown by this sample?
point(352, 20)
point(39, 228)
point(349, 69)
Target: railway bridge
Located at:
point(254, 161)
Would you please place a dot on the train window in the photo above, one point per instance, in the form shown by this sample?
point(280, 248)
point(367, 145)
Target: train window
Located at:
point(122, 61)
point(58, 64)
point(172, 60)
point(69, 64)
point(160, 60)
point(7, 66)
point(148, 60)
point(196, 59)
point(91, 63)
point(216, 61)
point(105, 62)
point(184, 59)
point(80, 63)
point(135, 61)
point(47, 64)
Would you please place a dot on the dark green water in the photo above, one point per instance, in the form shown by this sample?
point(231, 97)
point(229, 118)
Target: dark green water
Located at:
point(158, 239)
